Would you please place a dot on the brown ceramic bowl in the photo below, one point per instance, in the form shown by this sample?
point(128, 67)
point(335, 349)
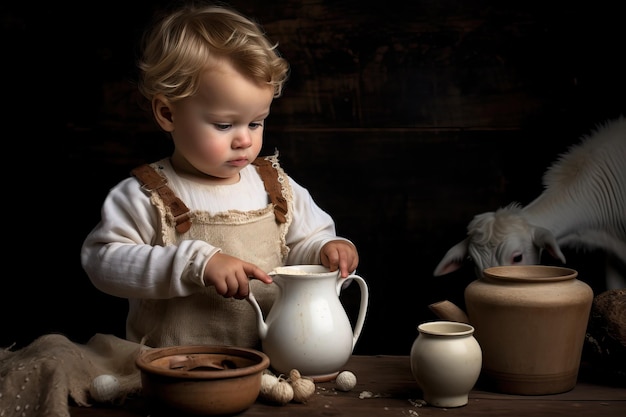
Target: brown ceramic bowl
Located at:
point(201, 380)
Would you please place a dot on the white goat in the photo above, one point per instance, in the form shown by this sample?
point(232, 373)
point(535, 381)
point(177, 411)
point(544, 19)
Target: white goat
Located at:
point(583, 206)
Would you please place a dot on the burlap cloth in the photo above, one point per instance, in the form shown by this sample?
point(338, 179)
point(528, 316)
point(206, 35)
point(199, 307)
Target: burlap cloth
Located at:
point(42, 378)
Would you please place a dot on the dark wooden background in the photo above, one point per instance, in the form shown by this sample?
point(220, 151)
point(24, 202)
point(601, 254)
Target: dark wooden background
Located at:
point(404, 119)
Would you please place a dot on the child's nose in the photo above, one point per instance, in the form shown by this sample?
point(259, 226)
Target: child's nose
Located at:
point(242, 139)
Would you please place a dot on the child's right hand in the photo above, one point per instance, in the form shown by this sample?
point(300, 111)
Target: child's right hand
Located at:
point(230, 276)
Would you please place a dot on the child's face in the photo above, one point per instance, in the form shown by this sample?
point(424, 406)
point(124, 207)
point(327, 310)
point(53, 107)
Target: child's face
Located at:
point(219, 131)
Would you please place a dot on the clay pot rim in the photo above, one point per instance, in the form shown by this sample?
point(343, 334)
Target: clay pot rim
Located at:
point(446, 328)
point(146, 361)
point(530, 273)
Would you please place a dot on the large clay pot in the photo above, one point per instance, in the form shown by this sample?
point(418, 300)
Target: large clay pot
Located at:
point(307, 327)
point(530, 321)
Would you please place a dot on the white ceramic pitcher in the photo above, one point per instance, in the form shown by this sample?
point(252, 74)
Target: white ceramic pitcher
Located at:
point(307, 327)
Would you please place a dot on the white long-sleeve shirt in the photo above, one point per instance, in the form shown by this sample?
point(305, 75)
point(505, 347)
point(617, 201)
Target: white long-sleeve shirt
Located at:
point(121, 257)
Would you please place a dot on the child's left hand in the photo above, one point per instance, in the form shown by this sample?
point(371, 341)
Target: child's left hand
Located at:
point(340, 254)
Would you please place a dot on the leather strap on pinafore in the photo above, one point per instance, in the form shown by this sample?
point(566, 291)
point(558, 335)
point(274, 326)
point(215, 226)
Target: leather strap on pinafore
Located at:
point(273, 187)
point(151, 181)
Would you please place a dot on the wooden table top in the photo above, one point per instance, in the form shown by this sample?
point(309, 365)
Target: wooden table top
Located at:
point(386, 387)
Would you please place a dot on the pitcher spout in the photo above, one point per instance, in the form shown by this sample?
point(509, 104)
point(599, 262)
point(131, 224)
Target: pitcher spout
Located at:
point(262, 326)
point(447, 310)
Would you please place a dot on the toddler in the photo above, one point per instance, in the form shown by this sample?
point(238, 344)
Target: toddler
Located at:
point(185, 237)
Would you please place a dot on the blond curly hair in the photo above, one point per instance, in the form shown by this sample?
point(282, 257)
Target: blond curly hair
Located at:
point(185, 42)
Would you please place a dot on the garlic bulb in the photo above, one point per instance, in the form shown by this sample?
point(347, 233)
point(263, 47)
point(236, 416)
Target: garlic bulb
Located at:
point(281, 392)
point(345, 381)
point(303, 388)
point(275, 389)
point(268, 380)
point(104, 388)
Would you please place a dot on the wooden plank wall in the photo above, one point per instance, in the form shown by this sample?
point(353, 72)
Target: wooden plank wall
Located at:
point(404, 119)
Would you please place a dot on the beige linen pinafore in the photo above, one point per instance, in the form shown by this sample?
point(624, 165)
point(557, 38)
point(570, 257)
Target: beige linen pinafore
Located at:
point(255, 236)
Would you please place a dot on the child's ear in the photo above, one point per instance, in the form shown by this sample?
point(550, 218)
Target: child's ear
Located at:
point(161, 108)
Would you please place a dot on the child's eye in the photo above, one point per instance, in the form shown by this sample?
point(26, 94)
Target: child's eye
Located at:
point(255, 125)
point(222, 126)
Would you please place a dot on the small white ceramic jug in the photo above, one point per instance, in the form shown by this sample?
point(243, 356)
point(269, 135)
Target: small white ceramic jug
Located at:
point(446, 360)
point(307, 327)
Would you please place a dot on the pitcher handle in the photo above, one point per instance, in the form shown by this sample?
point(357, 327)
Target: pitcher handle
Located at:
point(358, 326)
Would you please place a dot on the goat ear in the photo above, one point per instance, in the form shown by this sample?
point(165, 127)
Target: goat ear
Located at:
point(453, 259)
point(544, 239)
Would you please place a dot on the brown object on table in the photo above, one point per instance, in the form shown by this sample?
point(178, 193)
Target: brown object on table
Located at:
point(201, 380)
point(386, 387)
point(605, 341)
